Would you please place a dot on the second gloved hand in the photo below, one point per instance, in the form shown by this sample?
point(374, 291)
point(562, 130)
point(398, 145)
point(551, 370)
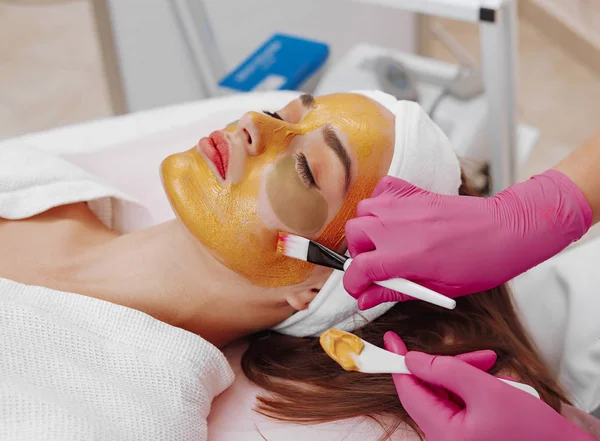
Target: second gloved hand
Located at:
point(451, 400)
point(459, 245)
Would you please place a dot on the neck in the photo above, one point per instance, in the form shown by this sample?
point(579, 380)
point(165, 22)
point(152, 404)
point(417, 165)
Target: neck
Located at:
point(164, 272)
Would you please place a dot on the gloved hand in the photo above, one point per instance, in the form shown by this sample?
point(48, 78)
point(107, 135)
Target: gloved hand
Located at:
point(487, 409)
point(459, 245)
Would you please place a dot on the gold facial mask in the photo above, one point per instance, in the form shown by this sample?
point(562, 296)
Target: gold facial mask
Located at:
point(226, 218)
point(307, 213)
point(342, 347)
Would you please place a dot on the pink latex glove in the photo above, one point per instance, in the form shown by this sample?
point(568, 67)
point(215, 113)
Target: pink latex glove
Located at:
point(486, 409)
point(459, 245)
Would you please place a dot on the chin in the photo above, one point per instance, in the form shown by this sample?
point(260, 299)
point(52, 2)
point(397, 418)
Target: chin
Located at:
point(172, 170)
point(175, 163)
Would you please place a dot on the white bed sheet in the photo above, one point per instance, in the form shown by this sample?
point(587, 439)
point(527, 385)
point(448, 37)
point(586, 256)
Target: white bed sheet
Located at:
point(559, 303)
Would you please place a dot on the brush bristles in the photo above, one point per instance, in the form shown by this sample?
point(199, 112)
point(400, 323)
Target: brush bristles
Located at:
point(293, 246)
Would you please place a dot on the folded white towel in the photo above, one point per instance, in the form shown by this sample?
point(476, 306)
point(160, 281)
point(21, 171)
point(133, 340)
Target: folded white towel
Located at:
point(77, 368)
point(422, 156)
point(33, 180)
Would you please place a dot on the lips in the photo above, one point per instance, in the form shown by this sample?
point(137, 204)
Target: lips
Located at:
point(216, 149)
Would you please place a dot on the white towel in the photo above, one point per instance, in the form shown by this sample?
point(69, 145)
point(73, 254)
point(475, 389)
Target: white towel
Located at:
point(422, 156)
point(77, 368)
point(33, 181)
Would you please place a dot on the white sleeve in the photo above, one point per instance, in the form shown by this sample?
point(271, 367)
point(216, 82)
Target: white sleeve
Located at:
point(559, 303)
point(73, 368)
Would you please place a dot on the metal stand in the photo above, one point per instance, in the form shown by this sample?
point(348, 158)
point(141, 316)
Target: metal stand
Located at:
point(197, 31)
point(497, 21)
point(499, 66)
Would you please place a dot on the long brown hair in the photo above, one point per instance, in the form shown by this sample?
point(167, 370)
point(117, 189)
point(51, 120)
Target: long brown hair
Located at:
point(305, 386)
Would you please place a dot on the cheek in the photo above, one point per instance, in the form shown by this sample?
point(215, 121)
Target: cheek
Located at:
point(302, 210)
point(236, 169)
point(265, 210)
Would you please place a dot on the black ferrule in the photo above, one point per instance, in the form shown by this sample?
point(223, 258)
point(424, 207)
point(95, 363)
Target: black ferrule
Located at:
point(321, 255)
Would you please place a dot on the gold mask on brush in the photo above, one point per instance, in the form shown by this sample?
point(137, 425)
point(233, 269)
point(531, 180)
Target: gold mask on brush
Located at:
point(342, 347)
point(228, 218)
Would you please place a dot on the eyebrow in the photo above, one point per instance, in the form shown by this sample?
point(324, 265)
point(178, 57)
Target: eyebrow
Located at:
point(307, 100)
point(333, 141)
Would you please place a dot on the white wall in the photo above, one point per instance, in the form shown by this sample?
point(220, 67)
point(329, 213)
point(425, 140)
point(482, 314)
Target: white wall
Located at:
point(155, 63)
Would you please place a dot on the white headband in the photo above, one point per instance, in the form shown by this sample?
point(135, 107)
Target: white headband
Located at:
point(422, 156)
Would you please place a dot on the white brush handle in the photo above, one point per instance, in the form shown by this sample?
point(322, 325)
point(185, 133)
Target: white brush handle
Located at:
point(376, 360)
point(413, 289)
point(524, 387)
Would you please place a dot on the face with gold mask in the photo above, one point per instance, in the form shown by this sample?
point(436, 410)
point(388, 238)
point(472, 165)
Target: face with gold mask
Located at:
point(302, 169)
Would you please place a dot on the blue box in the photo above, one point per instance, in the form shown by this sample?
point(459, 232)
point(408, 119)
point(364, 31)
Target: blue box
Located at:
point(283, 62)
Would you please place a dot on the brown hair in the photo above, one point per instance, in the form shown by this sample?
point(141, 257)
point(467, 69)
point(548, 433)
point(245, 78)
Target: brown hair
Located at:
point(305, 386)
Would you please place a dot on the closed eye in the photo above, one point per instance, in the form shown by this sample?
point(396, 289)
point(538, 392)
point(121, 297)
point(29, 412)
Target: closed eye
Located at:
point(304, 171)
point(273, 114)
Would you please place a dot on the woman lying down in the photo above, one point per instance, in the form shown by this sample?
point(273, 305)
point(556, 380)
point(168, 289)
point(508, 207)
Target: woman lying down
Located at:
point(135, 353)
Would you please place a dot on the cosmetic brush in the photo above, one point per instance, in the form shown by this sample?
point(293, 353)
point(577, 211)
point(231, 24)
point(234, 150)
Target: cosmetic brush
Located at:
point(313, 252)
point(353, 353)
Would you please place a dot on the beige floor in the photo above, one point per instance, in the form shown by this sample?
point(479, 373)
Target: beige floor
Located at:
point(51, 75)
point(583, 15)
point(50, 71)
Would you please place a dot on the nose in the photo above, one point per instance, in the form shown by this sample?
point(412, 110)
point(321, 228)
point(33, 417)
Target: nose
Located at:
point(248, 135)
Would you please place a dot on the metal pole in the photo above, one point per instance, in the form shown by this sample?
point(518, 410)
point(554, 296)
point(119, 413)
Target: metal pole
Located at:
point(499, 67)
point(197, 30)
